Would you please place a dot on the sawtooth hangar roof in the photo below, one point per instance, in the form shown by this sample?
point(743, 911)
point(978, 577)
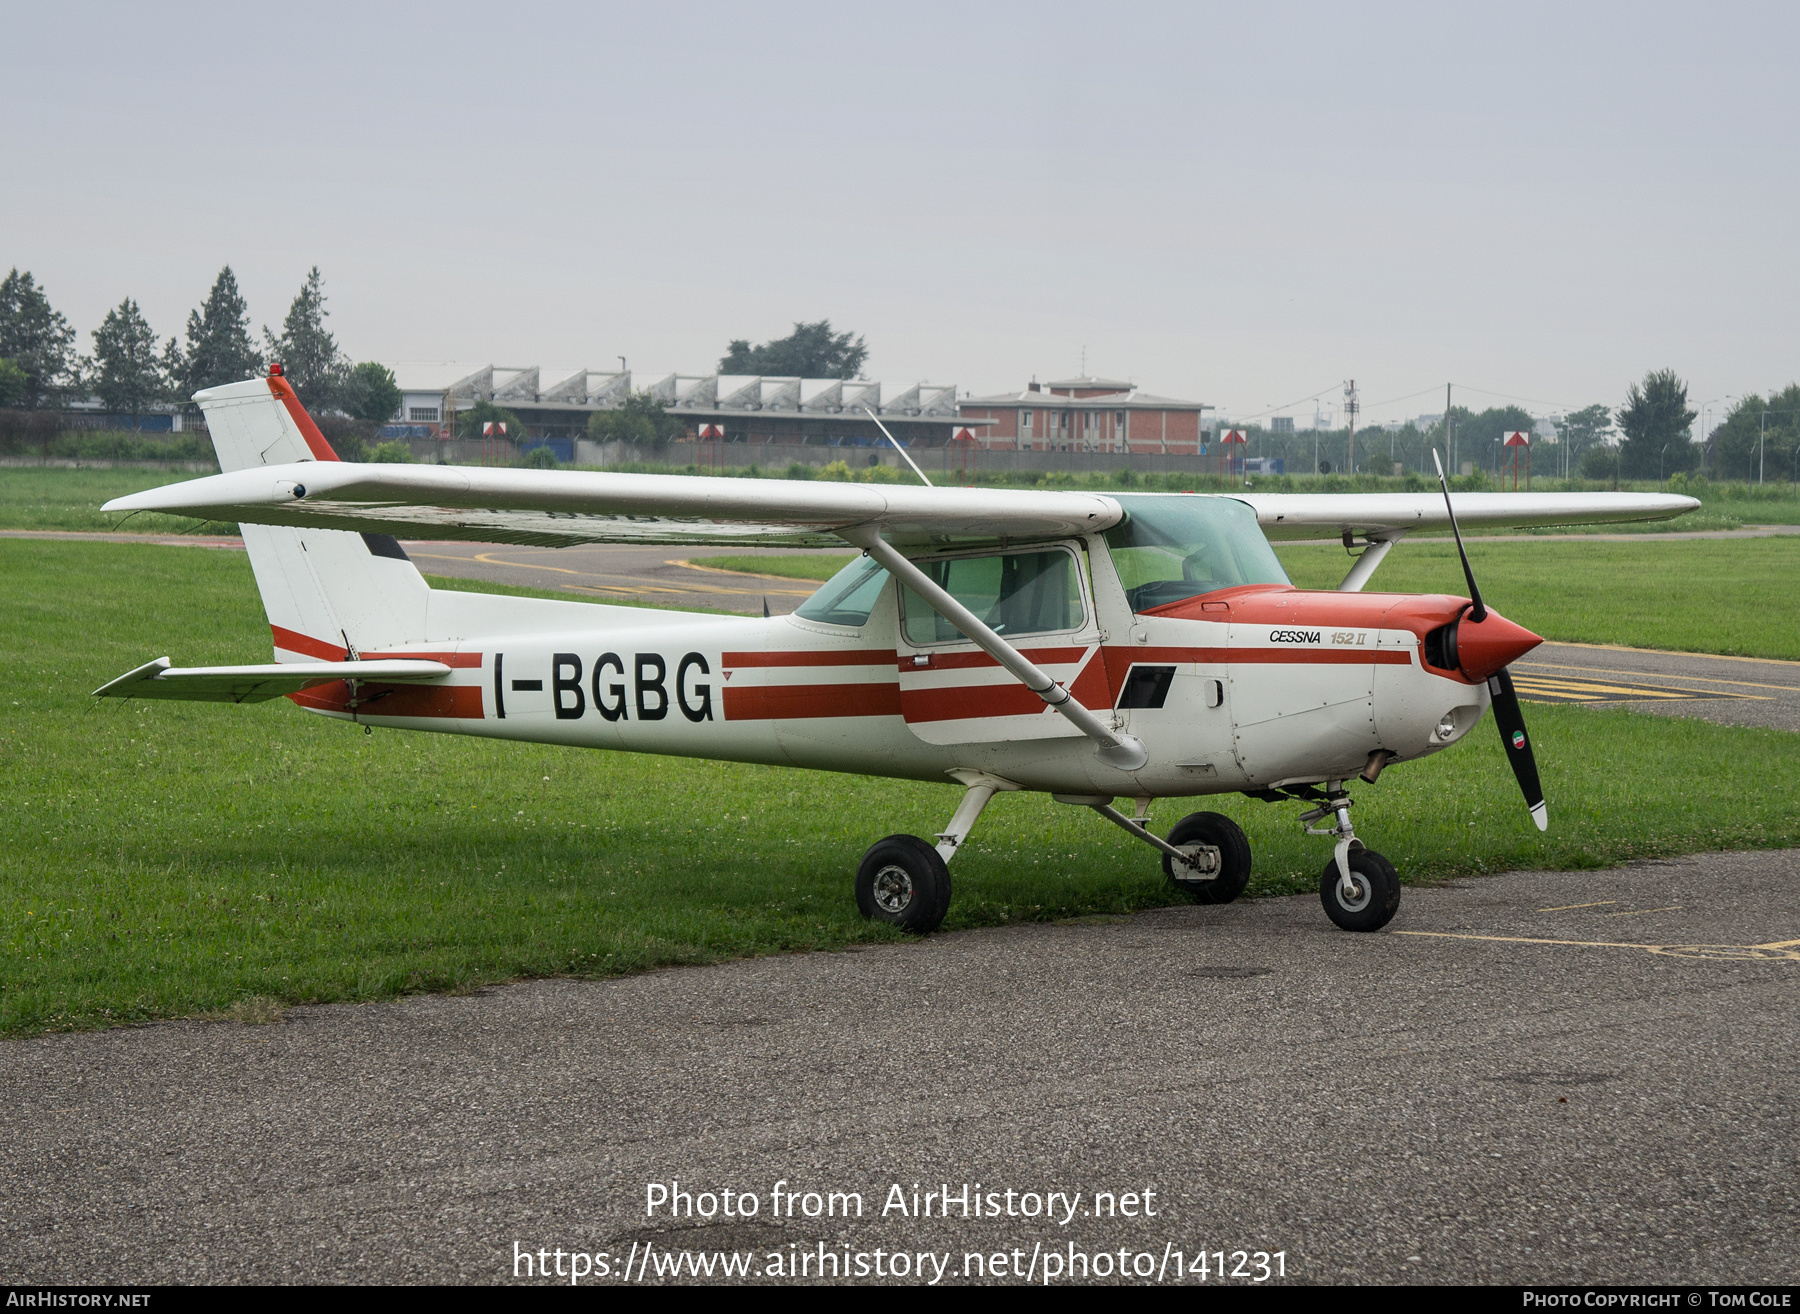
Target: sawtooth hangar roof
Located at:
point(696, 394)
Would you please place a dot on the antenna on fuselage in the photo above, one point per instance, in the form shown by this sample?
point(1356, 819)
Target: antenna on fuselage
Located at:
point(897, 447)
point(1478, 612)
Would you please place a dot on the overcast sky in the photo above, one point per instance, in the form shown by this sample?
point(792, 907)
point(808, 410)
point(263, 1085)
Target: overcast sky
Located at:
point(1242, 204)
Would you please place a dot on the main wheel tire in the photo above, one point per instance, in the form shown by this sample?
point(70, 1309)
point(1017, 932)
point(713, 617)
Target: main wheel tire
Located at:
point(902, 881)
point(1233, 845)
point(1377, 895)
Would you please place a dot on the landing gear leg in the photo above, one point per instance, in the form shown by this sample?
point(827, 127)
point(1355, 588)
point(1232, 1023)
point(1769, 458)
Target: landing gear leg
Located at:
point(1337, 803)
point(1206, 856)
point(905, 881)
point(1359, 888)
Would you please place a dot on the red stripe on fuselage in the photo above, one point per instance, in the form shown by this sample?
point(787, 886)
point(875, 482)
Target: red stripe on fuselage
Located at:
point(798, 702)
point(315, 441)
point(457, 660)
point(461, 701)
point(294, 641)
point(967, 702)
point(811, 657)
point(956, 661)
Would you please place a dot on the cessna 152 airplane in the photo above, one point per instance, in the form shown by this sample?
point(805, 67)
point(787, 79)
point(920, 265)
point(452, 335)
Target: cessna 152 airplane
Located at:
point(1089, 646)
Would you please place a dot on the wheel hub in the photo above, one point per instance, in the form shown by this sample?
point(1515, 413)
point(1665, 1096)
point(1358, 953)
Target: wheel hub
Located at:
point(1200, 863)
point(892, 889)
point(1353, 894)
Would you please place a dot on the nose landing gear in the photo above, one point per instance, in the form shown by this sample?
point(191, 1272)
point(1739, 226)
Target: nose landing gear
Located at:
point(1359, 888)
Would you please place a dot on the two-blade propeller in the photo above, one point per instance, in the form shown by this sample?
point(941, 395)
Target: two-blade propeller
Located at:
point(1507, 714)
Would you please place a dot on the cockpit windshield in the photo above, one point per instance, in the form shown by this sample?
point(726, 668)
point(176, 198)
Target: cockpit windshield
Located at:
point(1175, 546)
point(847, 597)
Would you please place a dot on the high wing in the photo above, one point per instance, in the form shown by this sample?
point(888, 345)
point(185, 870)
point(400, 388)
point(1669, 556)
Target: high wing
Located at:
point(256, 684)
point(554, 508)
point(265, 439)
point(1320, 515)
point(563, 507)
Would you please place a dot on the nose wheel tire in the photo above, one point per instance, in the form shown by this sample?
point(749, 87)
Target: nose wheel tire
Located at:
point(1223, 834)
point(1374, 896)
point(903, 882)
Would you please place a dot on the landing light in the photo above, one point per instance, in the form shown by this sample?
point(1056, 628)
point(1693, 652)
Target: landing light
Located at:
point(1446, 727)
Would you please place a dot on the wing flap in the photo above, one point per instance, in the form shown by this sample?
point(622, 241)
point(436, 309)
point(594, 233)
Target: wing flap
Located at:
point(256, 684)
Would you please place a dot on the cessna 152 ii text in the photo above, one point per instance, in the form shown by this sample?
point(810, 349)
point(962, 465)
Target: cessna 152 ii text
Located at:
point(1093, 647)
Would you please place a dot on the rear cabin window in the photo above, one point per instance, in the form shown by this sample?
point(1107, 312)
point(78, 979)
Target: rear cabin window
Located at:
point(1015, 593)
point(1171, 547)
point(847, 597)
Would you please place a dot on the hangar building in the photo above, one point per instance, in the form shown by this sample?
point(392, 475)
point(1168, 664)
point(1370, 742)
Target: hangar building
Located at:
point(747, 408)
point(1087, 414)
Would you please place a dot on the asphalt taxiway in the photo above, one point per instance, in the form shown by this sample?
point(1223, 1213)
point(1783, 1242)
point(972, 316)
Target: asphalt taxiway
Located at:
point(1574, 1077)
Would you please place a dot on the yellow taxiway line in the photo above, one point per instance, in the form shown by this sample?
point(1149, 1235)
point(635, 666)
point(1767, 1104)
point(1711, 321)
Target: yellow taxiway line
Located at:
point(1788, 950)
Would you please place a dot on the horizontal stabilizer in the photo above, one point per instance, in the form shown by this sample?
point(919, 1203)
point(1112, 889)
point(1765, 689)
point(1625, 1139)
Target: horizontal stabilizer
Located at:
point(256, 684)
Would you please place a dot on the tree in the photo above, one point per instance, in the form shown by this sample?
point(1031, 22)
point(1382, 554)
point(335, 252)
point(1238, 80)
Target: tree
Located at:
point(13, 382)
point(35, 338)
point(1655, 416)
point(1583, 429)
point(469, 422)
point(308, 353)
point(1759, 437)
point(371, 392)
point(811, 351)
point(125, 372)
point(640, 419)
point(219, 349)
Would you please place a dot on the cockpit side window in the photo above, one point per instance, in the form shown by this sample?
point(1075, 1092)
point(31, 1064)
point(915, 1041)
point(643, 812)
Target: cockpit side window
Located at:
point(1179, 546)
point(1014, 593)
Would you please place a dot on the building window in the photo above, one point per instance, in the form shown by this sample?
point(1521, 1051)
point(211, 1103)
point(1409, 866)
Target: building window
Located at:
point(429, 413)
point(1120, 420)
point(1024, 421)
point(1065, 421)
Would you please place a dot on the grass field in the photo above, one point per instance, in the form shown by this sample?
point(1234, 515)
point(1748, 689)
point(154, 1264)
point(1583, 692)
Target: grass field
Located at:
point(57, 497)
point(177, 859)
point(1733, 596)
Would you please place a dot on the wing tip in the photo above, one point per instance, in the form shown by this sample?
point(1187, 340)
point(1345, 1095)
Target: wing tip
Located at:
point(1540, 813)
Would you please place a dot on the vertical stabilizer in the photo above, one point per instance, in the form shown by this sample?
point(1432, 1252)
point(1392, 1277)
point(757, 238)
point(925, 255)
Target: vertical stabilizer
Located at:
point(329, 594)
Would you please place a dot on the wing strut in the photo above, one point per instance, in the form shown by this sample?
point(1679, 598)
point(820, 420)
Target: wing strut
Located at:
point(1122, 751)
point(1380, 544)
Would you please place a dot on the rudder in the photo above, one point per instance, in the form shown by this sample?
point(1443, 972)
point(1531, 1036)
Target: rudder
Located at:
point(329, 594)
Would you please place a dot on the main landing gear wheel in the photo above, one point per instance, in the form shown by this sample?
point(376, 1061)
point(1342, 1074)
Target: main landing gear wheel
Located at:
point(902, 881)
point(1222, 833)
point(1373, 897)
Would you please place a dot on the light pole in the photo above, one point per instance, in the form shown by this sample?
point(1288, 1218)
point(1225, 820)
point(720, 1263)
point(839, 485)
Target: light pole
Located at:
point(1705, 423)
point(1659, 465)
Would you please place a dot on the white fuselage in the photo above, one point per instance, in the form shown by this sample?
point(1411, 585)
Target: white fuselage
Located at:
point(1251, 688)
